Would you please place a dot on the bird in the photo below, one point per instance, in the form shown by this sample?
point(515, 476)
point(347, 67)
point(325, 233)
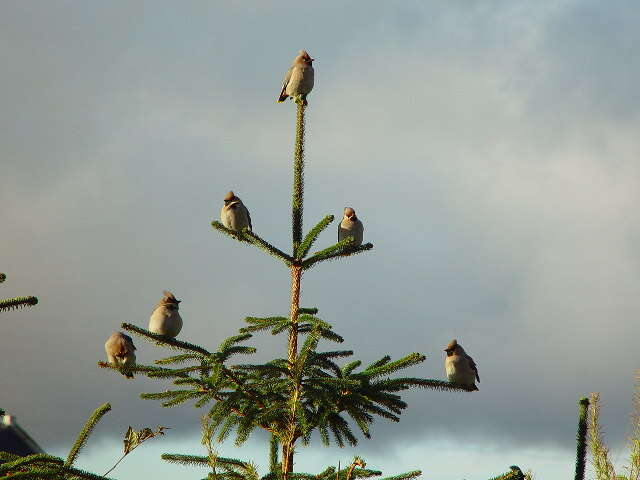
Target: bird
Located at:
point(460, 367)
point(234, 215)
point(165, 319)
point(121, 351)
point(298, 80)
point(350, 226)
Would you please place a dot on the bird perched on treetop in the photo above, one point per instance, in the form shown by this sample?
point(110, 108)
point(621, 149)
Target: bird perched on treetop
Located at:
point(460, 367)
point(299, 79)
point(350, 226)
point(234, 215)
point(165, 319)
point(120, 350)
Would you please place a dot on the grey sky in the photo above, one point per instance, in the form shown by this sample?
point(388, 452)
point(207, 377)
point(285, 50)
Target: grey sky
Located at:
point(490, 148)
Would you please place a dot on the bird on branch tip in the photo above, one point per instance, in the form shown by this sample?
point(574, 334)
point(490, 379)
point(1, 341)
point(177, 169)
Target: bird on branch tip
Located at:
point(298, 81)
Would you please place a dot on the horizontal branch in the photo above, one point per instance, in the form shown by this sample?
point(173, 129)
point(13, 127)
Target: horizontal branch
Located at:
point(248, 236)
point(170, 342)
point(267, 247)
point(308, 310)
point(17, 302)
point(404, 476)
point(192, 460)
point(339, 250)
point(441, 385)
point(232, 233)
point(29, 460)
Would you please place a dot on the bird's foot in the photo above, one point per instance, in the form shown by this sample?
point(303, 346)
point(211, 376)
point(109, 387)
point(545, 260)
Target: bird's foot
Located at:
point(300, 100)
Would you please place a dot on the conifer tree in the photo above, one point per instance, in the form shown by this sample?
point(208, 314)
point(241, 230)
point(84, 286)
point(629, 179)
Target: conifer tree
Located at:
point(289, 397)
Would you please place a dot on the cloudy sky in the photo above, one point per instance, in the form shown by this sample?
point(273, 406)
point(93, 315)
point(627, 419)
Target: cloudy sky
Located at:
point(490, 148)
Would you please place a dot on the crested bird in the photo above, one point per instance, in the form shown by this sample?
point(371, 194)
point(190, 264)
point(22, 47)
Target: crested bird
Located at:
point(165, 319)
point(350, 226)
point(298, 81)
point(460, 367)
point(234, 215)
point(121, 351)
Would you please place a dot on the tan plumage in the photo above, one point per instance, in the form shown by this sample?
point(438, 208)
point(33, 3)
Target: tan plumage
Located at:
point(121, 352)
point(234, 215)
point(165, 319)
point(460, 367)
point(299, 78)
point(351, 226)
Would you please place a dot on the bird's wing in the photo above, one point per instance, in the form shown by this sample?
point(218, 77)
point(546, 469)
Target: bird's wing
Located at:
point(248, 218)
point(473, 366)
point(287, 77)
point(130, 341)
point(283, 93)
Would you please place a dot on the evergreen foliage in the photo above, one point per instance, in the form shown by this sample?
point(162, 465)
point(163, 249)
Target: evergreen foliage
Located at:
point(292, 396)
point(41, 466)
point(85, 432)
point(514, 473)
point(17, 302)
point(600, 460)
point(581, 437)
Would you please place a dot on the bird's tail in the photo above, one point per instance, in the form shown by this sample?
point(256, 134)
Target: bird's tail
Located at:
point(283, 96)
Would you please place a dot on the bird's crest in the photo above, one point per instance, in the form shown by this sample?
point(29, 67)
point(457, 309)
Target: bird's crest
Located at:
point(169, 297)
point(452, 345)
point(229, 196)
point(304, 57)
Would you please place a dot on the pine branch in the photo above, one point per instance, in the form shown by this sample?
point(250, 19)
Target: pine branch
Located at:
point(8, 457)
point(17, 302)
point(602, 466)
point(232, 233)
point(167, 341)
point(267, 247)
point(398, 384)
point(310, 311)
point(312, 236)
point(85, 432)
point(185, 357)
point(188, 460)
point(265, 323)
point(298, 180)
point(404, 476)
point(339, 250)
point(388, 368)
point(581, 437)
point(30, 460)
point(151, 371)
point(37, 473)
point(514, 474)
